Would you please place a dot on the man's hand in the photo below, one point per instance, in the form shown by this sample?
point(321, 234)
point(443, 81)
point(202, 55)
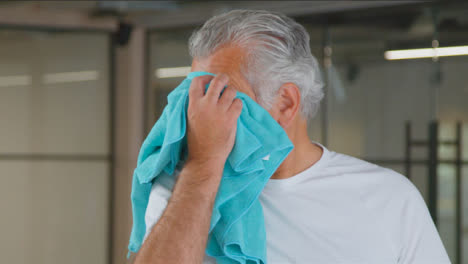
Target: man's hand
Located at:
point(181, 233)
point(211, 119)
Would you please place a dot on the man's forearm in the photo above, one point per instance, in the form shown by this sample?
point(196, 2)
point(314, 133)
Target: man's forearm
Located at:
point(180, 235)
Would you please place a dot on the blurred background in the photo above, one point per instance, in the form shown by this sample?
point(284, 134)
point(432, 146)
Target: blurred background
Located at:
point(82, 83)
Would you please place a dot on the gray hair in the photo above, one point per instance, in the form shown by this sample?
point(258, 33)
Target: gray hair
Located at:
point(278, 51)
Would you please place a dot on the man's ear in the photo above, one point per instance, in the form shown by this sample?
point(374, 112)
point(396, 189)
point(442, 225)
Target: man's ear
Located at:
point(286, 104)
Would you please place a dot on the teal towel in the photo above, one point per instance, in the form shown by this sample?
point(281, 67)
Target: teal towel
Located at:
point(237, 230)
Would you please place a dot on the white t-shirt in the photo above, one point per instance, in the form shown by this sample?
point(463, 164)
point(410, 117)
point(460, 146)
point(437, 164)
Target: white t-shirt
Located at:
point(341, 210)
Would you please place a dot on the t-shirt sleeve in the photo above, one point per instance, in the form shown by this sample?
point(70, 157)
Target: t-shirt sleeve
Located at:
point(420, 240)
point(158, 199)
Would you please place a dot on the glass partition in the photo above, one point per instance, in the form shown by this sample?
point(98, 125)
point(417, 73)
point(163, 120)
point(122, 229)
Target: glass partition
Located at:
point(169, 62)
point(54, 146)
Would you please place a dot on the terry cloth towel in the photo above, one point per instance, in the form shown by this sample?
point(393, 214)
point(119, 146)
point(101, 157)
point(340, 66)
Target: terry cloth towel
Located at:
point(237, 230)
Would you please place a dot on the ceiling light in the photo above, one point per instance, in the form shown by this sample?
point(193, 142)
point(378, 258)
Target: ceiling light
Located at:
point(65, 77)
point(172, 72)
point(426, 53)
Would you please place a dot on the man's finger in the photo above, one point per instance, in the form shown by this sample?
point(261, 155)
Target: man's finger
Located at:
point(227, 97)
point(216, 85)
point(197, 86)
point(236, 108)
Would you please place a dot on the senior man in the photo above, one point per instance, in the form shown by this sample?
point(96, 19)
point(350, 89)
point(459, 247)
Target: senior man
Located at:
point(319, 206)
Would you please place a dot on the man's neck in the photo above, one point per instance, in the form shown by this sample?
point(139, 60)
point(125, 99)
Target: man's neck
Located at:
point(303, 156)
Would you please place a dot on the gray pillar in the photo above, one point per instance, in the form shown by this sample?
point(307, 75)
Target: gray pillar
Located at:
point(128, 127)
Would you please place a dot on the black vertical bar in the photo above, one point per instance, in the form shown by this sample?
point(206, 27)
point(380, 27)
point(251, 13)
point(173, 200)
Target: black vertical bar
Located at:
point(458, 195)
point(111, 192)
point(432, 169)
point(408, 149)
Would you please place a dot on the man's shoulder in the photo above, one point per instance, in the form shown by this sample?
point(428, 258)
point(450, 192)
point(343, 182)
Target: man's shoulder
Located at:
point(387, 194)
point(368, 175)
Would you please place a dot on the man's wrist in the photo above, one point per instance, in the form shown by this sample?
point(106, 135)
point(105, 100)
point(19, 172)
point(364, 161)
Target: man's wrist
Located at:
point(211, 167)
point(201, 178)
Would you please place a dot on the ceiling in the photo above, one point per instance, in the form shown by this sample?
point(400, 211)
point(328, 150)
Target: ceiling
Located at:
point(161, 14)
point(411, 16)
point(353, 26)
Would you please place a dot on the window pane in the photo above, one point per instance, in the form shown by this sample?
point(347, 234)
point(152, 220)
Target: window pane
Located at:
point(54, 92)
point(367, 115)
point(54, 212)
point(168, 49)
point(446, 207)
